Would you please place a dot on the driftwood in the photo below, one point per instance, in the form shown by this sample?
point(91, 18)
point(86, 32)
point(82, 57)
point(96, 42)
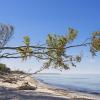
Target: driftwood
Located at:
point(10, 80)
point(22, 81)
point(26, 86)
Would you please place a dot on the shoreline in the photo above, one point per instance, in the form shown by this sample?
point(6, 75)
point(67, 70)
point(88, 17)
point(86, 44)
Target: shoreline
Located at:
point(43, 90)
point(70, 89)
point(70, 93)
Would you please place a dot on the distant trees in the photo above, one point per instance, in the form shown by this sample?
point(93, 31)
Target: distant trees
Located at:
point(53, 52)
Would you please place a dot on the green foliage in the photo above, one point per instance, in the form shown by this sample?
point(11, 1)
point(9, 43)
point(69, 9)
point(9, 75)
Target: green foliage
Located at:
point(57, 57)
point(72, 34)
point(25, 51)
point(96, 41)
point(78, 58)
point(55, 52)
point(3, 68)
point(27, 40)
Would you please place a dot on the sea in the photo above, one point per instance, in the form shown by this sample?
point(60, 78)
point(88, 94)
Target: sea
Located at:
point(88, 83)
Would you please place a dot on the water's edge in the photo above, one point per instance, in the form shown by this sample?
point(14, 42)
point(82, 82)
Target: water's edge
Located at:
point(69, 88)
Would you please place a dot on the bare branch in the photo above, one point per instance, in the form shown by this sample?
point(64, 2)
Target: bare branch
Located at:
point(41, 47)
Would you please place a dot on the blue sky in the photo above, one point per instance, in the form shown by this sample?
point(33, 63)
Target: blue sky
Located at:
point(37, 18)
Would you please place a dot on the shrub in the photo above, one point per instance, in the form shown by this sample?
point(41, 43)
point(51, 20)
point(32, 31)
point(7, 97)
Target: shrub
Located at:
point(3, 68)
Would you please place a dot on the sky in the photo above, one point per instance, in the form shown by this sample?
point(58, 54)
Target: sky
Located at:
point(37, 18)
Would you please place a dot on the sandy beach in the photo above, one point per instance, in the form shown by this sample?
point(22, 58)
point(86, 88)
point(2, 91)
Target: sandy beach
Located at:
point(10, 91)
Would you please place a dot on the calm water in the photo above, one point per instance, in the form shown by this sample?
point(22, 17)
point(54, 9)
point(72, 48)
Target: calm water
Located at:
point(84, 83)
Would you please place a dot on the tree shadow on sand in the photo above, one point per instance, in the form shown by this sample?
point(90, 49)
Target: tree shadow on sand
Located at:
point(12, 94)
